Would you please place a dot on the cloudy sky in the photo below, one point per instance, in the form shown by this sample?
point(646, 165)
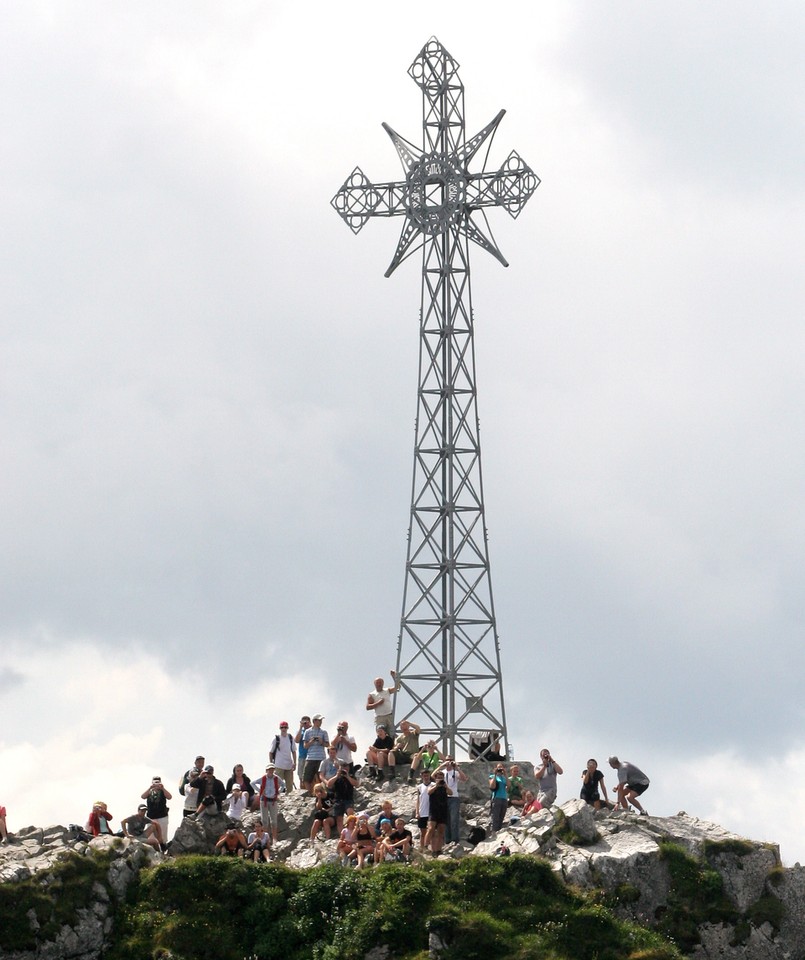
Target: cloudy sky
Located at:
point(207, 388)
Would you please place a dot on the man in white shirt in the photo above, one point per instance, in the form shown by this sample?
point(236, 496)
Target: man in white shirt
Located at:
point(344, 744)
point(423, 807)
point(453, 776)
point(380, 701)
point(283, 755)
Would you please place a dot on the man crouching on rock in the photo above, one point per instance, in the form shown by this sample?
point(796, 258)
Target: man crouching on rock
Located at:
point(632, 783)
point(232, 843)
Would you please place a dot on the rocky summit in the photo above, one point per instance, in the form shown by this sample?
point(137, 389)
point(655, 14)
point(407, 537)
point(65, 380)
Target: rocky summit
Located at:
point(713, 893)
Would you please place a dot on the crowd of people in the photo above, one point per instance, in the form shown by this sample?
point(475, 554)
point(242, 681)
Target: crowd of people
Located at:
point(327, 771)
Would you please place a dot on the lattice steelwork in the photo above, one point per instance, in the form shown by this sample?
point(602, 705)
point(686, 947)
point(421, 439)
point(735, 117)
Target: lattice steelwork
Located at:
point(448, 655)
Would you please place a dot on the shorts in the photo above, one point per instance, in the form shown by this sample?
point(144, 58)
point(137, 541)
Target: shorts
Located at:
point(311, 769)
point(637, 788)
point(386, 720)
point(422, 823)
point(339, 808)
point(401, 757)
point(323, 815)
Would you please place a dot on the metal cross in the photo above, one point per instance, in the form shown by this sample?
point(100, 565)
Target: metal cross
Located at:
point(448, 655)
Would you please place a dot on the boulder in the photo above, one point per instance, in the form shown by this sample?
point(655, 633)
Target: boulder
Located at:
point(580, 820)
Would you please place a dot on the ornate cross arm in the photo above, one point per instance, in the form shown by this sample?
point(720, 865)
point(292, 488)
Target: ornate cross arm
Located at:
point(438, 192)
point(510, 187)
point(359, 199)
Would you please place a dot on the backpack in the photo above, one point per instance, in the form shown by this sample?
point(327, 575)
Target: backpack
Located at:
point(272, 754)
point(477, 835)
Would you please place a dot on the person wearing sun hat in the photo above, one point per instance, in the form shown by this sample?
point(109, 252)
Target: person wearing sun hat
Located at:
point(237, 803)
point(268, 790)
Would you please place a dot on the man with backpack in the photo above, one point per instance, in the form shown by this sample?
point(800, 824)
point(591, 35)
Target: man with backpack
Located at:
point(283, 755)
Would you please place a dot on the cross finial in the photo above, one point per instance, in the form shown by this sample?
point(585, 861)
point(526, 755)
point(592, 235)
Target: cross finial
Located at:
point(438, 192)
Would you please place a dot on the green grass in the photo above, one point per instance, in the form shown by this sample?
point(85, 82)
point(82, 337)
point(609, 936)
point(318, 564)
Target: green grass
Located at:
point(222, 909)
point(513, 908)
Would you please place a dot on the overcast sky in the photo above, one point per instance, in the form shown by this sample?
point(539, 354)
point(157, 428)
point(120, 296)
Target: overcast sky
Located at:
point(207, 388)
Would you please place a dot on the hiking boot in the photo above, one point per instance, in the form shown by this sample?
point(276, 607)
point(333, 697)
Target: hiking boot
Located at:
point(380, 776)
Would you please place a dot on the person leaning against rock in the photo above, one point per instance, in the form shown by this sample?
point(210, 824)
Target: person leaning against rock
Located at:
point(546, 774)
point(632, 783)
point(453, 777)
point(423, 807)
point(189, 793)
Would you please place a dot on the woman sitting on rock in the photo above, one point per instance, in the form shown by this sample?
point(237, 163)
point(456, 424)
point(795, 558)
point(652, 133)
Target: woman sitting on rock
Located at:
point(530, 804)
point(346, 843)
point(364, 840)
point(257, 848)
point(98, 821)
point(240, 779)
point(323, 818)
point(591, 781)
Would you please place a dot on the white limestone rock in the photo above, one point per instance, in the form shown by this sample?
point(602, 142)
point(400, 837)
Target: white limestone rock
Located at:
point(580, 819)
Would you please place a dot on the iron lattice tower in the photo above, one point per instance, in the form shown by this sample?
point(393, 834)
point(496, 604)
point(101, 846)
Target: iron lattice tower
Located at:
point(448, 653)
